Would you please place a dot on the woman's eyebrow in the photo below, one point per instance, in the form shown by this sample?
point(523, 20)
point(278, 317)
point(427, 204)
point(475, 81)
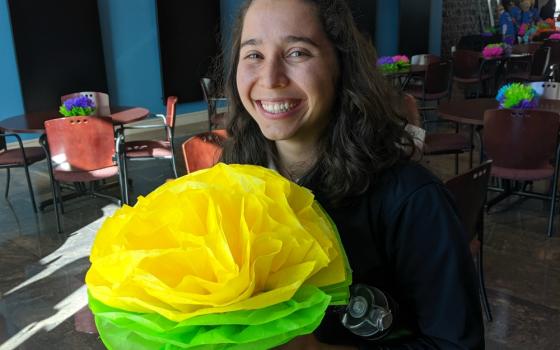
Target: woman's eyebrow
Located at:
point(250, 42)
point(289, 39)
point(305, 39)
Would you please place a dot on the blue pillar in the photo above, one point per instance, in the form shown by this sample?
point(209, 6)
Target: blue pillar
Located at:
point(436, 20)
point(11, 100)
point(228, 13)
point(387, 28)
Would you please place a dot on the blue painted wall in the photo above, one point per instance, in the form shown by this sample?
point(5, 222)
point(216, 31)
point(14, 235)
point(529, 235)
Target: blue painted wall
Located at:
point(436, 22)
point(387, 31)
point(11, 101)
point(130, 40)
point(131, 47)
point(228, 10)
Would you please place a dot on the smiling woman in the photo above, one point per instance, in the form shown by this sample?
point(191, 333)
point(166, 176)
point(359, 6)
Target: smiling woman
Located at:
point(307, 99)
point(287, 82)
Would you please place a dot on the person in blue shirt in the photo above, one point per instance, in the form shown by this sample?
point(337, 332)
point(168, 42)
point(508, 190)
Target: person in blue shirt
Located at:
point(528, 14)
point(535, 12)
point(507, 28)
point(515, 13)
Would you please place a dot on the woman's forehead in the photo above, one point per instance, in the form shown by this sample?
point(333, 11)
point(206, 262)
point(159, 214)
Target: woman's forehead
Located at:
point(280, 18)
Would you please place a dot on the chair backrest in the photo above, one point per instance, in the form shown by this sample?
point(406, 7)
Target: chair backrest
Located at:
point(466, 64)
point(469, 192)
point(424, 59)
point(170, 112)
point(81, 143)
point(437, 79)
point(203, 150)
point(530, 48)
point(209, 92)
point(208, 88)
point(2, 140)
point(520, 139)
point(554, 50)
point(541, 58)
point(170, 115)
point(100, 99)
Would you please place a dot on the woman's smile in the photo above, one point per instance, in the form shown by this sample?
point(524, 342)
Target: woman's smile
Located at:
point(278, 109)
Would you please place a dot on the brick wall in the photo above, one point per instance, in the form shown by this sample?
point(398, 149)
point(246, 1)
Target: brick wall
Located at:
point(461, 17)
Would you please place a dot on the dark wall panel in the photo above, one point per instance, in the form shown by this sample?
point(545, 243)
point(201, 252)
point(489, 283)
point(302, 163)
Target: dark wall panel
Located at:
point(414, 27)
point(188, 37)
point(365, 12)
point(58, 48)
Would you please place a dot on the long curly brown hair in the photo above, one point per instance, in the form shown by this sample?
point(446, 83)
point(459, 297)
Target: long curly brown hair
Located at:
point(365, 135)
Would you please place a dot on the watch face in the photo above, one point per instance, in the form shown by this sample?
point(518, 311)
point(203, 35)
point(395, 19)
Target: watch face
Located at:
point(368, 314)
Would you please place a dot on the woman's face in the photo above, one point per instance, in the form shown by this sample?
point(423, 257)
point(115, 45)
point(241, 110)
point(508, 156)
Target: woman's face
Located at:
point(287, 70)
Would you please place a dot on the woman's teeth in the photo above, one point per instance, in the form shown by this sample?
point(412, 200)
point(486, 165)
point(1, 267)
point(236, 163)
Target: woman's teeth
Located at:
point(280, 107)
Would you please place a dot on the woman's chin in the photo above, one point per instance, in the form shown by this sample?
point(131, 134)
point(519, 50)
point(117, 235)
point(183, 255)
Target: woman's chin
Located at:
point(277, 134)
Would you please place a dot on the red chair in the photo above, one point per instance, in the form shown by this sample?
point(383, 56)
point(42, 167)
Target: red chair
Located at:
point(469, 192)
point(530, 69)
point(203, 150)
point(523, 145)
point(19, 157)
point(435, 85)
point(439, 143)
point(470, 70)
point(79, 149)
point(554, 46)
point(210, 93)
point(148, 149)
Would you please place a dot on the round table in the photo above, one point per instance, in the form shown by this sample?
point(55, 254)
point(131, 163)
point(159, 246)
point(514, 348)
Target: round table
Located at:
point(407, 74)
point(471, 112)
point(33, 122)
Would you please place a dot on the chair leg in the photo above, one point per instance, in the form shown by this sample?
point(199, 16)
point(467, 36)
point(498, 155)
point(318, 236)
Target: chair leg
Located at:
point(508, 190)
point(173, 161)
point(44, 144)
point(174, 167)
point(7, 183)
point(122, 179)
point(30, 188)
point(55, 205)
point(553, 197)
point(480, 267)
point(482, 286)
point(471, 138)
point(125, 180)
point(59, 202)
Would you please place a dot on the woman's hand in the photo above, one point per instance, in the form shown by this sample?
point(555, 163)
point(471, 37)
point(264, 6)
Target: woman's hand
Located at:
point(309, 342)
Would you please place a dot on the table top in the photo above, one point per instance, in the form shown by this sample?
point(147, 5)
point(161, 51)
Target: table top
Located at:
point(413, 69)
point(528, 48)
point(33, 122)
point(471, 112)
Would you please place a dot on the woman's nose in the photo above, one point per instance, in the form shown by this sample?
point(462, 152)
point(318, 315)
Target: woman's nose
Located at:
point(273, 74)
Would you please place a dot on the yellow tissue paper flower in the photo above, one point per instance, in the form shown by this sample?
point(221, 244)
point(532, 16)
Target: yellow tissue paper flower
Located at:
point(233, 237)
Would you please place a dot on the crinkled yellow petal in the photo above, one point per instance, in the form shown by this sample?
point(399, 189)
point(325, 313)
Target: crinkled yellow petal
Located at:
point(233, 237)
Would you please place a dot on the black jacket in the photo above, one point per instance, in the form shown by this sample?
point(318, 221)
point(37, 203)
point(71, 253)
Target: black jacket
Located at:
point(404, 237)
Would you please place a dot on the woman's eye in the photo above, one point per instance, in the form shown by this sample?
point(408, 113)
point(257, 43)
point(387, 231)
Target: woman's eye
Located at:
point(297, 53)
point(252, 56)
